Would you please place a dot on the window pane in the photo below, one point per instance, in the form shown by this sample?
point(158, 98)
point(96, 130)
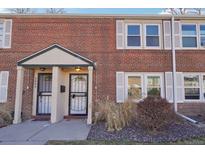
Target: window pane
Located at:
point(204, 86)
point(202, 41)
point(152, 41)
point(153, 87)
point(192, 93)
point(134, 87)
point(189, 42)
point(133, 30)
point(1, 30)
point(153, 91)
point(202, 29)
point(191, 81)
point(188, 29)
point(152, 30)
point(133, 41)
point(153, 81)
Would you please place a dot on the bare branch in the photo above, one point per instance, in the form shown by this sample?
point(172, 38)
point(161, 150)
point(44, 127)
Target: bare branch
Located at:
point(184, 11)
point(21, 10)
point(55, 10)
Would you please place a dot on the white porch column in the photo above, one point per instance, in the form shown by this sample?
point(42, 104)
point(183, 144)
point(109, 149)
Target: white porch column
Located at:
point(56, 102)
point(90, 94)
point(19, 93)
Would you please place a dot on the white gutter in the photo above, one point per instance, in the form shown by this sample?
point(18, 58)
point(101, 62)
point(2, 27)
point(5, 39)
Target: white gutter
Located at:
point(187, 118)
point(174, 74)
point(173, 64)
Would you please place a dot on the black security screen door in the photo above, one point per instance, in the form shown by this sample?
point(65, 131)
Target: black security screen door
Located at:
point(78, 96)
point(44, 94)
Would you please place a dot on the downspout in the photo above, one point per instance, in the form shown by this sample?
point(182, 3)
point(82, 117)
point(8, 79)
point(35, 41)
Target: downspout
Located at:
point(174, 74)
point(173, 64)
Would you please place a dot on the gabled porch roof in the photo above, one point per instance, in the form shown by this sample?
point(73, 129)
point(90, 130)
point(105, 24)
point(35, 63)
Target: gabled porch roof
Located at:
point(55, 55)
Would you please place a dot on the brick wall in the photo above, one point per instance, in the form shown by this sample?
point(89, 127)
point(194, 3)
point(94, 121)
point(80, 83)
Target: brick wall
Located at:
point(93, 38)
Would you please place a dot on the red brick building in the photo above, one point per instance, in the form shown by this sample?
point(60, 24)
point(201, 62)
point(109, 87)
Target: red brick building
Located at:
point(62, 65)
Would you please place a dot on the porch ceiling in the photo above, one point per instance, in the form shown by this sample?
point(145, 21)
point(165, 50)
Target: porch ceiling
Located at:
point(55, 55)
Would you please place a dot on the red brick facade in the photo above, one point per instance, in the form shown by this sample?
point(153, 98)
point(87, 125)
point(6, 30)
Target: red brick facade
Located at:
point(93, 38)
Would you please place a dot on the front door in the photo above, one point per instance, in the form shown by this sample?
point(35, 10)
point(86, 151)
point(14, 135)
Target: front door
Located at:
point(78, 94)
point(44, 94)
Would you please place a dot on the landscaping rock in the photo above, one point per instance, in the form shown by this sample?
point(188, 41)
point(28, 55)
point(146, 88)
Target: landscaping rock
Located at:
point(172, 133)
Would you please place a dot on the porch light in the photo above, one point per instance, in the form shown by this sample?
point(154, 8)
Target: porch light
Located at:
point(42, 69)
point(77, 69)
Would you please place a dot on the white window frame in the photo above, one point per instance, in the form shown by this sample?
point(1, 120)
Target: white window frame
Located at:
point(197, 39)
point(2, 102)
point(126, 35)
point(144, 82)
point(145, 36)
point(126, 84)
point(200, 88)
point(161, 82)
point(199, 35)
point(3, 34)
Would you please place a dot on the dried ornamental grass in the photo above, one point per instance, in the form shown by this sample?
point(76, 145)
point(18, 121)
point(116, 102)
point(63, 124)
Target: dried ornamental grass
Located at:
point(5, 117)
point(116, 116)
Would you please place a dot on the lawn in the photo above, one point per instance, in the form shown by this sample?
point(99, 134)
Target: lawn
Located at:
point(193, 141)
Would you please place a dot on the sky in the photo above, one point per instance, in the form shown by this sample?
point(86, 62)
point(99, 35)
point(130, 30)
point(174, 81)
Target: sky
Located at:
point(104, 10)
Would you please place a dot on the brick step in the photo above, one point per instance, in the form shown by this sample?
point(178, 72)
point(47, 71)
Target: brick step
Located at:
point(41, 118)
point(74, 117)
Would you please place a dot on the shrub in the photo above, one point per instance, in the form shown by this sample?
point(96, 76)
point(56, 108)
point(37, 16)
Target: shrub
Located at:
point(5, 118)
point(116, 116)
point(153, 113)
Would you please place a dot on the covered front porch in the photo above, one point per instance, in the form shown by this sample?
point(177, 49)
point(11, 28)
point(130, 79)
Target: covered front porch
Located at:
point(62, 84)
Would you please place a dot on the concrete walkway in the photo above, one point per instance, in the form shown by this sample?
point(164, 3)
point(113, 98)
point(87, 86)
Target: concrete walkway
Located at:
point(39, 132)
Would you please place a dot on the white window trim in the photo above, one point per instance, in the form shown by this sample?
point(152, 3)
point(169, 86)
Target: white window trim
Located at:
point(126, 35)
point(202, 87)
point(145, 36)
point(2, 102)
point(144, 76)
point(200, 83)
point(3, 34)
point(126, 84)
point(161, 82)
point(197, 37)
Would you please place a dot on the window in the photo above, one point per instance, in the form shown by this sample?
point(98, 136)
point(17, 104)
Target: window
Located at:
point(203, 86)
point(152, 35)
point(153, 86)
point(202, 35)
point(137, 89)
point(134, 87)
point(1, 34)
point(189, 36)
point(5, 33)
point(133, 36)
point(191, 87)
point(4, 77)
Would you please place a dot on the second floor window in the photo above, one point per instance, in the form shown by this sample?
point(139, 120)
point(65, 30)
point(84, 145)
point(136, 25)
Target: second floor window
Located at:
point(202, 35)
point(189, 36)
point(152, 35)
point(1, 34)
point(133, 36)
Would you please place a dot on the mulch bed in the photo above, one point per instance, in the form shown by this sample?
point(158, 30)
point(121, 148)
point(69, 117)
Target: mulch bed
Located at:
point(172, 133)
